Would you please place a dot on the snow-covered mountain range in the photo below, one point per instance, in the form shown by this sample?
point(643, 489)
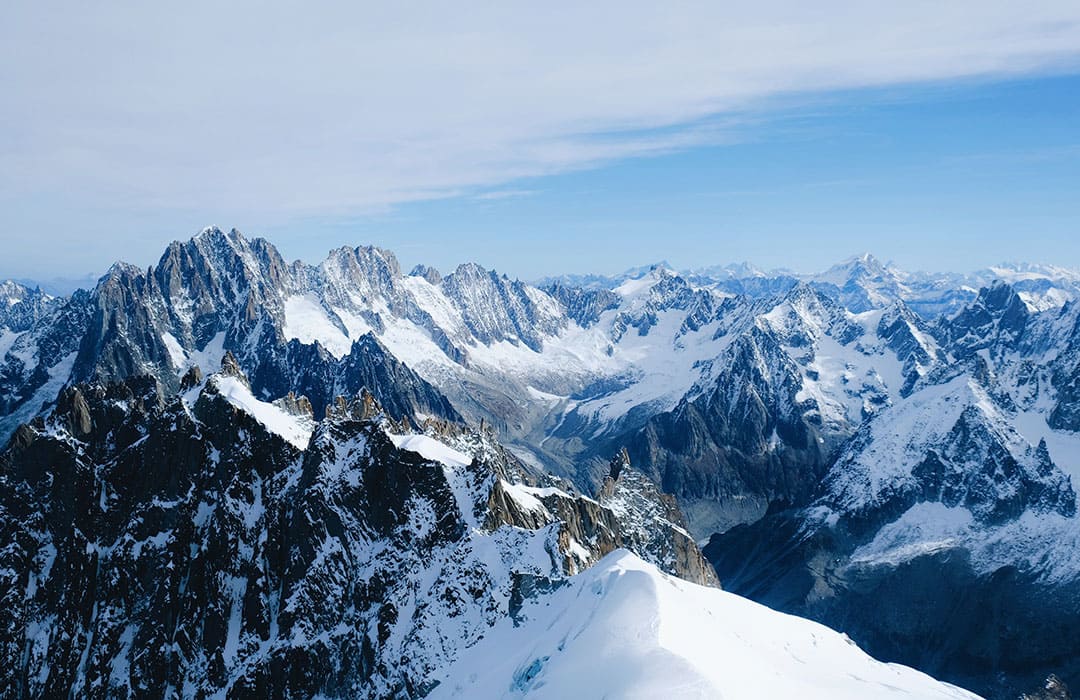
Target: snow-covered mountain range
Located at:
point(837, 436)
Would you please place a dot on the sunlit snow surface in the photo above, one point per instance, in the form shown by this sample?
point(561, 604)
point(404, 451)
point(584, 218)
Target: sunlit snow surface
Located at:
point(295, 429)
point(307, 321)
point(622, 629)
point(208, 358)
point(430, 448)
point(7, 340)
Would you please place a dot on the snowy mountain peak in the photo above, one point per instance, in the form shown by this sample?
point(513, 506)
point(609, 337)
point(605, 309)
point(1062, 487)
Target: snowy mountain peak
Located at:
point(121, 270)
point(368, 259)
point(860, 266)
point(215, 234)
point(642, 270)
point(21, 307)
point(998, 317)
point(431, 274)
point(11, 292)
point(623, 629)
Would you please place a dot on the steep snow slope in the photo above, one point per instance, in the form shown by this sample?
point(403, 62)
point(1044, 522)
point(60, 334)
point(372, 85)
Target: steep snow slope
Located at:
point(296, 429)
point(623, 629)
point(951, 441)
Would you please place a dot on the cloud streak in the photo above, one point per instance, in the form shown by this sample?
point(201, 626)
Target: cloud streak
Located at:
point(495, 195)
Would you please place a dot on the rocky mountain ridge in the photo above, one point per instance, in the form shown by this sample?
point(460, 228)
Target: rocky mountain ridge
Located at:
point(206, 542)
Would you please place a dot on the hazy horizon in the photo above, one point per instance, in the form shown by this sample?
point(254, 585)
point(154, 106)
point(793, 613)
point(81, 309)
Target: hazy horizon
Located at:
point(67, 284)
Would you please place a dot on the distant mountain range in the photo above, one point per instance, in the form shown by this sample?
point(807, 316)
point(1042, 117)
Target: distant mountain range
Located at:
point(333, 479)
point(863, 280)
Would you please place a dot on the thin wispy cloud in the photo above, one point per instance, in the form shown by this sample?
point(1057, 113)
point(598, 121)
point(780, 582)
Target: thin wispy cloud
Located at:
point(495, 195)
point(1030, 155)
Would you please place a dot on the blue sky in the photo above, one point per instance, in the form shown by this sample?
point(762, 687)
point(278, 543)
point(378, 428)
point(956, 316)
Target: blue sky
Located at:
point(951, 176)
point(537, 141)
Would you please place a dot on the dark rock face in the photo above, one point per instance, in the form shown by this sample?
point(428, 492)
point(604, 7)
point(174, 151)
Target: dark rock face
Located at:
point(36, 364)
point(999, 488)
point(722, 445)
point(652, 523)
point(312, 372)
point(21, 308)
point(220, 291)
point(758, 429)
point(998, 316)
point(496, 308)
point(1066, 369)
point(583, 305)
point(972, 466)
point(996, 627)
point(668, 292)
point(158, 544)
point(120, 340)
point(900, 328)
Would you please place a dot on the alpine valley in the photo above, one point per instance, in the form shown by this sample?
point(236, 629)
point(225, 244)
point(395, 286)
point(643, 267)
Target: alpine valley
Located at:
point(230, 475)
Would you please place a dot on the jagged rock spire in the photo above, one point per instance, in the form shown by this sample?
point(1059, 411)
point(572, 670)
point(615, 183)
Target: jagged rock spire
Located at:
point(369, 406)
point(295, 405)
point(192, 378)
point(72, 408)
point(230, 367)
point(362, 407)
point(620, 461)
